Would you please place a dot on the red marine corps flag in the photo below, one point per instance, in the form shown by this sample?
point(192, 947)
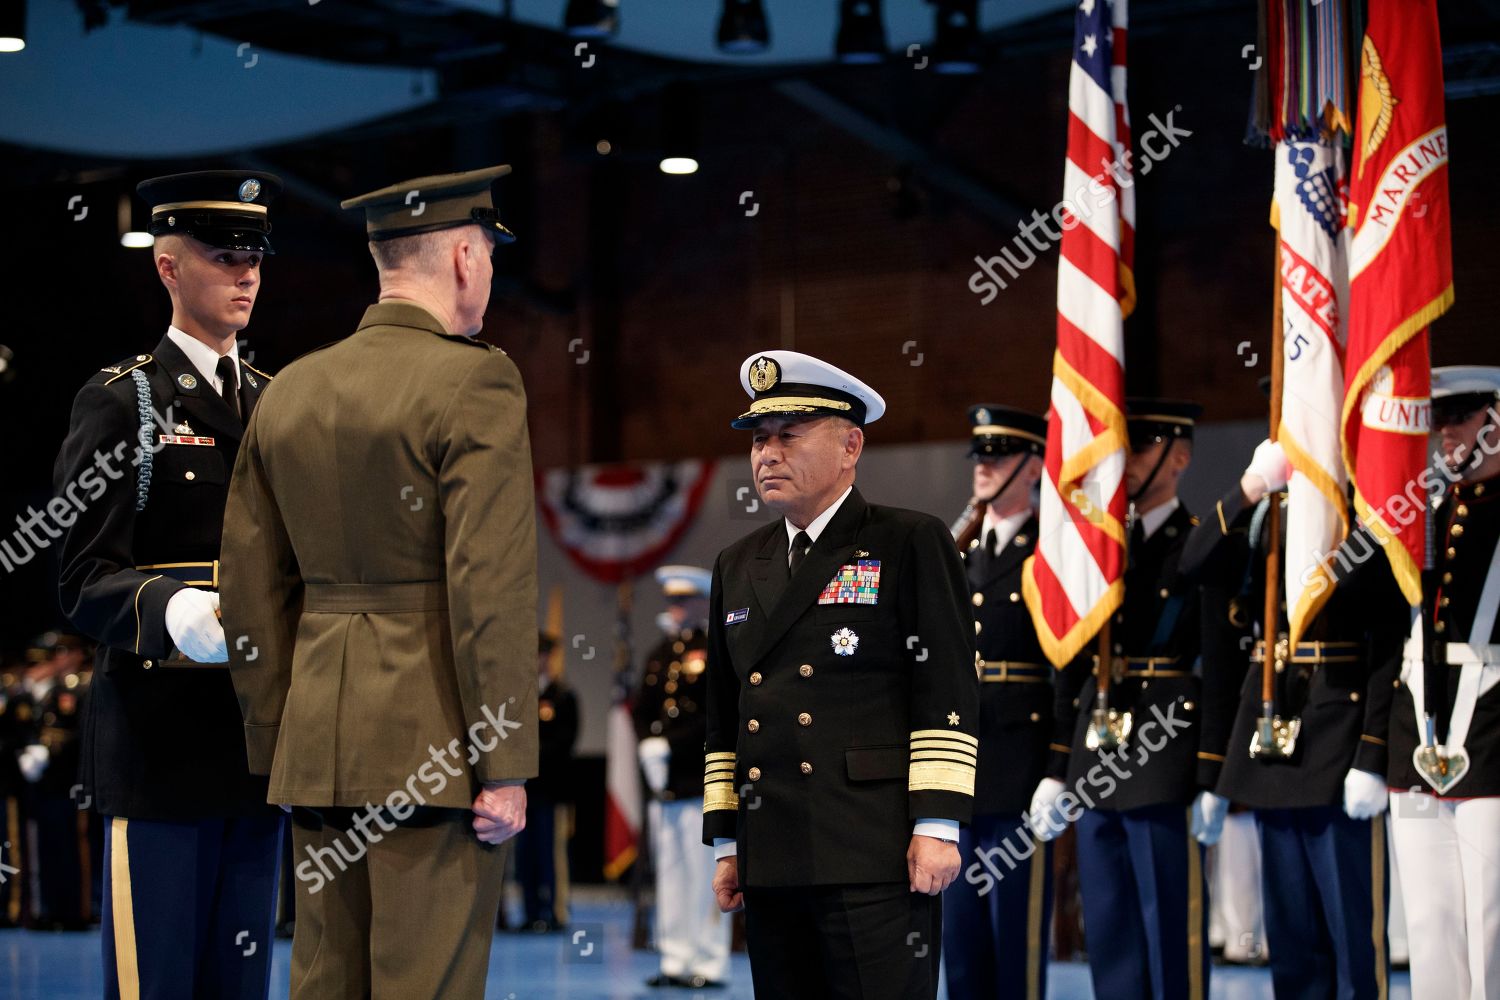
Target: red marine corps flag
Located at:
point(1075, 581)
point(1400, 274)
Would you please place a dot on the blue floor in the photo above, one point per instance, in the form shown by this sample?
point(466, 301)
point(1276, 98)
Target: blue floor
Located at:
point(598, 965)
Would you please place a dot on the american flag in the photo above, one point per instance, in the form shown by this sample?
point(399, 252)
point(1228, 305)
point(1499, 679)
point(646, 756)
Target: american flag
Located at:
point(1074, 582)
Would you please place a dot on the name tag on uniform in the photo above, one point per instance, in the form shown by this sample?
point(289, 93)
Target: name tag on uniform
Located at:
point(184, 439)
point(855, 583)
point(735, 617)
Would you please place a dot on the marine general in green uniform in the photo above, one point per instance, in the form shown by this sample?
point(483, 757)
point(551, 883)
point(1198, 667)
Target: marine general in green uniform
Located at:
point(379, 598)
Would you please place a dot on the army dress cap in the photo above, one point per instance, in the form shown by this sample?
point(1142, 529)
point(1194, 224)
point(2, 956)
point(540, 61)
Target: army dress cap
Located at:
point(1460, 391)
point(1167, 419)
point(789, 384)
point(684, 581)
point(1004, 430)
point(227, 209)
point(427, 204)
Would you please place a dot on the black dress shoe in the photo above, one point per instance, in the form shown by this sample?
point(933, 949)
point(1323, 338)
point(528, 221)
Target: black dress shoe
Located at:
point(660, 980)
point(698, 983)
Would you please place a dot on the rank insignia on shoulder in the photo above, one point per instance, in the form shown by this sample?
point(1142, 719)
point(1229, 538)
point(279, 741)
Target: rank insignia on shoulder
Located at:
point(854, 583)
point(844, 641)
point(735, 617)
point(112, 369)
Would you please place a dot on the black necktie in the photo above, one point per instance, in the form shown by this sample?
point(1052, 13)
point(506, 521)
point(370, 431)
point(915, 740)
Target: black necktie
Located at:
point(800, 545)
point(991, 543)
point(228, 384)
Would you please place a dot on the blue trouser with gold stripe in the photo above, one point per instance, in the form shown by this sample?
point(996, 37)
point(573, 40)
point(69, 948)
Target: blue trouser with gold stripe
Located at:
point(189, 907)
point(997, 913)
point(1145, 915)
point(1324, 880)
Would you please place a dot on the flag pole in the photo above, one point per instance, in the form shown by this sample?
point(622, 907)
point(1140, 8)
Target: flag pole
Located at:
point(1273, 652)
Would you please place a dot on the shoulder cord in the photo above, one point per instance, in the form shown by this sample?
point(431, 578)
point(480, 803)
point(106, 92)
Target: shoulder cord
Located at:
point(143, 436)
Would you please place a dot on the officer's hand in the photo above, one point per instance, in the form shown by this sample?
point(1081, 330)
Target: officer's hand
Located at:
point(1267, 472)
point(727, 885)
point(655, 754)
point(1365, 794)
point(1209, 811)
point(931, 864)
point(500, 812)
point(1043, 818)
point(193, 624)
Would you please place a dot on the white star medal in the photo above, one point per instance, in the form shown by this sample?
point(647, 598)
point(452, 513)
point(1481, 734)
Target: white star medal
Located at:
point(845, 642)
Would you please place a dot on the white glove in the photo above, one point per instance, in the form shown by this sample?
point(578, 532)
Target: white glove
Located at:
point(33, 761)
point(1044, 819)
point(194, 626)
point(1365, 794)
point(1209, 811)
point(1267, 472)
point(654, 753)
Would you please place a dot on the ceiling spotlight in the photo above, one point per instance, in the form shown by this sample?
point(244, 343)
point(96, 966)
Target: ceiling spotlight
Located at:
point(679, 129)
point(13, 26)
point(132, 235)
point(592, 18)
point(743, 29)
point(956, 47)
point(861, 37)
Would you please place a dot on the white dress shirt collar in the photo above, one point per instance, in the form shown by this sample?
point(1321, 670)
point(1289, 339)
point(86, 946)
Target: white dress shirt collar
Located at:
point(1005, 528)
point(1157, 516)
point(818, 523)
point(205, 358)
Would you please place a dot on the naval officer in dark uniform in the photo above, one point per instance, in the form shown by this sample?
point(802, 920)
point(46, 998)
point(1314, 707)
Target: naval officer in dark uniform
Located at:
point(1319, 800)
point(1150, 804)
point(192, 848)
point(843, 710)
point(995, 918)
point(1445, 811)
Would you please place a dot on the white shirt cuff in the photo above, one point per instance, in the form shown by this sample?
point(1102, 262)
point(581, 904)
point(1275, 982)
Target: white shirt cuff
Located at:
point(726, 847)
point(938, 829)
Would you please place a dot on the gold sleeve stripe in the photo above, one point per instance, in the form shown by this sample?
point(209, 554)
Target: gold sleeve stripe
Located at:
point(1059, 748)
point(944, 734)
point(1205, 755)
point(1372, 739)
point(719, 756)
point(939, 776)
point(954, 758)
point(949, 745)
point(719, 796)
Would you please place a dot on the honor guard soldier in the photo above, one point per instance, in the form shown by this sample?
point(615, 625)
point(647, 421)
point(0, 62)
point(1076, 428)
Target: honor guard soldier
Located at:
point(16, 714)
point(996, 918)
point(671, 721)
point(57, 829)
point(541, 860)
point(1137, 744)
point(843, 711)
point(1445, 814)
point(1317, 785)
point(145, 470)
point(380, 583)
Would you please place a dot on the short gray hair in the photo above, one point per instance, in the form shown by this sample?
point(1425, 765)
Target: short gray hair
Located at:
point(421, 252)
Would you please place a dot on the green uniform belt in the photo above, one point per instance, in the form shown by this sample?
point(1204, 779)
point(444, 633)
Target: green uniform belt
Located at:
point(376, 598)
point(994, 672)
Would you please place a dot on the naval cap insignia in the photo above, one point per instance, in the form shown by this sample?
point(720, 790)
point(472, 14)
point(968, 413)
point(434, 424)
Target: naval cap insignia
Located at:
point(249, 189)
point(187, 381)
point(982, 416)
point(764, 373)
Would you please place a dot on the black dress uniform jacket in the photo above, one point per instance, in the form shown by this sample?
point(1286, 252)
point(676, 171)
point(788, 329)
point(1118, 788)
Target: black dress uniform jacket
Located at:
point(1015, 690)
point(1344, 703)
point(672, 703)
point(1159, 619)
point(159, 742)
point(818, 762)
point(557, 732)
point(1467, 533)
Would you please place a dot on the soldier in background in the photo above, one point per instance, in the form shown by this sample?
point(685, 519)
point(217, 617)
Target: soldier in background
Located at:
point(16, 713)
point(61, 863)
point(1151, 806)
point(996, 918)
point(541, 856)
point(670, 721)
point(1318, 807)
